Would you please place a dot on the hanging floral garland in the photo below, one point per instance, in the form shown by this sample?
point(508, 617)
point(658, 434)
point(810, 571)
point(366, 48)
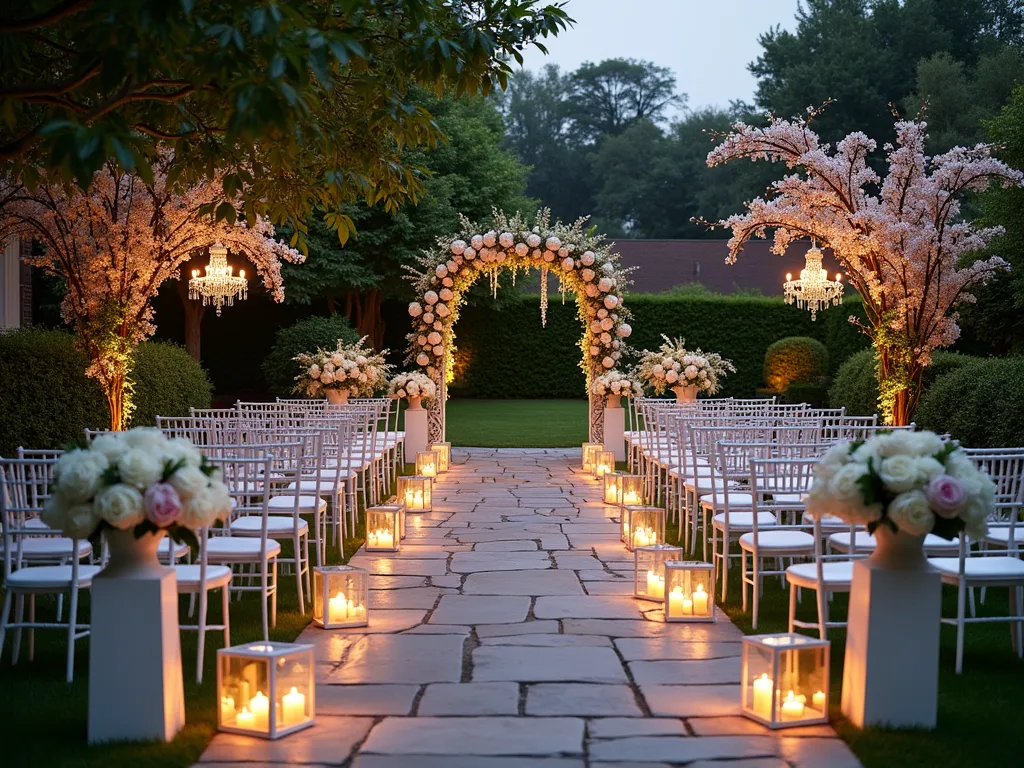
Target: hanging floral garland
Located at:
point(583, 262)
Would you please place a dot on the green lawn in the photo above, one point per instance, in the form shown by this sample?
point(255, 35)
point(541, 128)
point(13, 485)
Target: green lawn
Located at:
point(517, 423)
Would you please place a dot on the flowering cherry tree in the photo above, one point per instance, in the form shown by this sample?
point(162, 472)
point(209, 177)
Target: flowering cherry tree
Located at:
point(115, 244)
point(900, 239)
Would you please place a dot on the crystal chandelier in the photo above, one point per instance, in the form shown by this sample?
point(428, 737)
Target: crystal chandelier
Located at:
point(813, 291)
point(218, 286)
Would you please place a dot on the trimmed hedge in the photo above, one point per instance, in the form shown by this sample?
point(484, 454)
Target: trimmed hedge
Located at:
point(279, 367)
point(506, 353)
point(47, 400)
point(856, 388)
point(795, 359)
point(980, 402)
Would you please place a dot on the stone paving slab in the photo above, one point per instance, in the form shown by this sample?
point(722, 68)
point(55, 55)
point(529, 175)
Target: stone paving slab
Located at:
point(504, 634)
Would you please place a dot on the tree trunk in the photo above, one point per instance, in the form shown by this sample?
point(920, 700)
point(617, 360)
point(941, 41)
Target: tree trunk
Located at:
point(194, 311)
point(115, 402)
point(899, 387)
point(363, 312)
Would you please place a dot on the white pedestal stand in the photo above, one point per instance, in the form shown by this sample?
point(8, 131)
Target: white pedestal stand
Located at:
point(416, 439)
point(135, 684)
point(891, 670)
point(615, 431)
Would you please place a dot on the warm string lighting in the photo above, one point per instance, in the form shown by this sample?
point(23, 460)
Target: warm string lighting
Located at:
point(218, 286)
point(813, 291)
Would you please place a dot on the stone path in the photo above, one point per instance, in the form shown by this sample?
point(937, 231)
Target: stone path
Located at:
point(504, 635)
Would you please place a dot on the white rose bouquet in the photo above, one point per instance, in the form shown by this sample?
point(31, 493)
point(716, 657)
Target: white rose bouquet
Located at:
point(672, 365)
point(354, 367)
point(910, 481)
point(616, 383)
point(412, 385)
point(137, 480)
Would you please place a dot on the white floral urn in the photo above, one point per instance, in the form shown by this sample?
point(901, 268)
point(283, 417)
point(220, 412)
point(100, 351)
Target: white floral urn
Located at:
point(685, 393)
point(337, 396)
point(415, 403)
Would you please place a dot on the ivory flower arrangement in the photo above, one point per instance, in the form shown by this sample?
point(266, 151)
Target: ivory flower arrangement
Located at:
point(137, 480)
point(908, 481)
point(616, 384)
point(672, 365)
point(581, 261)
point(354, 368)
point(412, 385)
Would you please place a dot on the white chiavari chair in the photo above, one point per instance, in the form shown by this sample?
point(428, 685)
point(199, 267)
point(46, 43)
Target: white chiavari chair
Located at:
point(825, 574)
point(198, 581)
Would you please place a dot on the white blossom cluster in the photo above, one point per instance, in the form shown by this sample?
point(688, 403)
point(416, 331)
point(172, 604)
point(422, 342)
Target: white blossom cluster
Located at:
point(413, 384)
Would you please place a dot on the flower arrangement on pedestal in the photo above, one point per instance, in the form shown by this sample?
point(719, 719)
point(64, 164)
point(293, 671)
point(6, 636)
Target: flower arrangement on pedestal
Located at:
point(352, 369)
point(671, 365)
point(616, 384)
point(137, 481)
point(900, 246)
point(910, 482)
point(415, 386)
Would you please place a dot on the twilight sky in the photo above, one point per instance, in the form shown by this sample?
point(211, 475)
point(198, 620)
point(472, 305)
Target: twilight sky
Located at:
point(707, 43)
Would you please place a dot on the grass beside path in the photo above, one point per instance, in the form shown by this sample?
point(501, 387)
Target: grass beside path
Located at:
point(517, 423)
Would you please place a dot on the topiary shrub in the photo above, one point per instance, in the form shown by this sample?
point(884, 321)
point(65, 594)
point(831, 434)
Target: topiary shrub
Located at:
point(167, 383)
point(979, 402)
point(856, 387)
point(279, 367)
point(46, 400)
point(794, 359)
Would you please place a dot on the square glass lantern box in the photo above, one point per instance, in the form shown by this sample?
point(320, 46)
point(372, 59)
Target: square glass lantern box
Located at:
point(621, 488)
point(415, 491)
point(340, 596)
point(689, 591)
point(384, 528)
point(604, 462)
point(649, 570)
point(785, 679)
point(590, 455)
point(265, 689)
point(642, 526)
point(444, 456)
point(426, 464)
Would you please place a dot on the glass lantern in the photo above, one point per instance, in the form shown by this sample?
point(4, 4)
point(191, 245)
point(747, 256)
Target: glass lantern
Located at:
point(604, 462)
point(426, 464)
point(265, 689)
point(344, 591)
point(621, 488)
point(689, 591)
point(785, 680)
point(649, 570)
point(444, 455)
point(415, 491)
point(642, 526)
point(590, 455)
point(394, 504)
point(384, 528)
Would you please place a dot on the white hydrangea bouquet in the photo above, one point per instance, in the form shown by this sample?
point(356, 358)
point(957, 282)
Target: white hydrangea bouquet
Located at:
point(910, 481)
point(672, 365)
point(352, 367)
point(412, 385)
point(137, 480)
point(617, 384)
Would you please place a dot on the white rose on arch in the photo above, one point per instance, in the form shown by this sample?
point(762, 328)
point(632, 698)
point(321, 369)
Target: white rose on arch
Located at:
point(415, 309)
point(549, 256)
point(567, 264)
point(533, 240)
point(453, 266)
point(594, 350)
point(553, 244)
point(602, 312)
point(438, 350)
point(441, 270)
point(608, 362)
point(563, 252)
point(434, 338)
point(587, 274)
point(442, 310)
point(490, 238)
point(469, 254)
point(458, 247)
point(608, 268)
point(588, 258)
point(605, 284)
point(624, 330)
point(507, 239)
point(607, 324)
point(591, 290)
point(611, 301)
point(421, 340)
point(595, 326)
point(477, 241)
point(446, 294)
point(606, 338)
point(428, 317)
point(537, 254)
point(422, 359)
point(522, 249)
point(430, 297)
point(438, 325)
point(447, 282)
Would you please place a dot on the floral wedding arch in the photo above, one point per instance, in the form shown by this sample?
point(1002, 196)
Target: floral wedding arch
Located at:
point(582, 262)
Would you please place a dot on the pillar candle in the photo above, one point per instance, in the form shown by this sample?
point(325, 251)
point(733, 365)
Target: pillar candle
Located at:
point(293, 707)
point(227, 709)
point(630, 498)
point(818, 700)
point(675, 602)
point(792, 708)
point(655, 585)
point(260, 706)
point(337, 608)
point(700, 601)
point(762, 704)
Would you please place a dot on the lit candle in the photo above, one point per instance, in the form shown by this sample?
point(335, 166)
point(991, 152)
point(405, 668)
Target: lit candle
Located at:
point(655, 585)
point(762, 705)
point(602, 470)
point(227, 709)
point(687, 606)
point(630, 498)
point(408, 497)
point(294, 707)
point(428, 470)
point(260, 706)
point(792, 707)
point(382, 539)
point(611, 495)
point(337, 608)
point(643, 537)
point(417, 502)
point(818, 700)
point(245, 719)
point(356, 611)
point(676, 604)
point(700, 601)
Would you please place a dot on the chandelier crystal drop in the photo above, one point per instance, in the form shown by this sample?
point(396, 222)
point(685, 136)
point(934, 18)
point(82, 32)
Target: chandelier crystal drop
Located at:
point(218, 286)
point(813, 291)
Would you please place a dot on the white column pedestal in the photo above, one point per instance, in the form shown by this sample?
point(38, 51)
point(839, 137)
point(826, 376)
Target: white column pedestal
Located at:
point(615, 432)
point(891, 670)
point(135, 683)
point(416, 439)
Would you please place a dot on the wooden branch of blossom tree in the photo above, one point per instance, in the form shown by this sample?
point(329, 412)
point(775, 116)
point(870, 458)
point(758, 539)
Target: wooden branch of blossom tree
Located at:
point(50, 17)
